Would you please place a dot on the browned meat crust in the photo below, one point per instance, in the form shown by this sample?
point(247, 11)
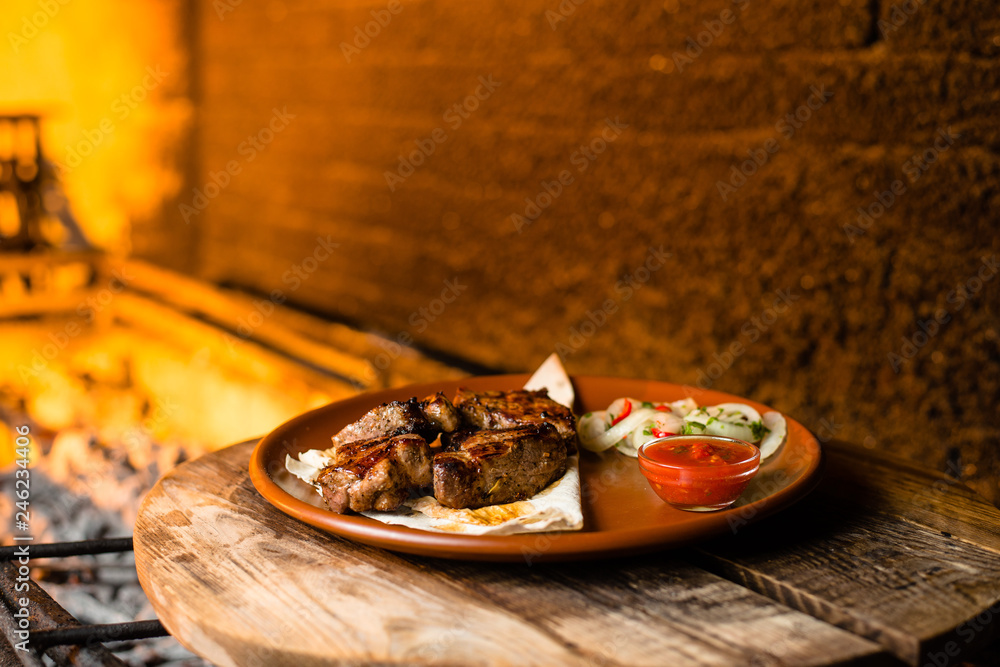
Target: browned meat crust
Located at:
point(382, 457)
point(482, 468)
point(427, 418)
point(441, 413)
point(376, 474)
point(506, 409)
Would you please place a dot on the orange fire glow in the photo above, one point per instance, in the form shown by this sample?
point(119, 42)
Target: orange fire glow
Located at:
point(130, 389)
point(112, 99)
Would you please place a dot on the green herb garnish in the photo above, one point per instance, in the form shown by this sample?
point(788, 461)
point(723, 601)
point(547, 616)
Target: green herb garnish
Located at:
point(688, 428)
point(759, 430)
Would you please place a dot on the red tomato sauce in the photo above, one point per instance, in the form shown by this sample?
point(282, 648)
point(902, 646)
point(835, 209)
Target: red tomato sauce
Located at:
point(698, 453)
point(694, 474)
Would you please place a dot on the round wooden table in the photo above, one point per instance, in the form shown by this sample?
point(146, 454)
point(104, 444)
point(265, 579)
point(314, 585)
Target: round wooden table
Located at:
point(884, 563)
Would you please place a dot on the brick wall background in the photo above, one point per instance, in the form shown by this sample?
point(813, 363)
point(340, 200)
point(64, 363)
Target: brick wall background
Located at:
point(914, 102)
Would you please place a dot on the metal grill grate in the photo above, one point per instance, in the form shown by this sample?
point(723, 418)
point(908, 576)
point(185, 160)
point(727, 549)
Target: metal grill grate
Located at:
point(52, 631)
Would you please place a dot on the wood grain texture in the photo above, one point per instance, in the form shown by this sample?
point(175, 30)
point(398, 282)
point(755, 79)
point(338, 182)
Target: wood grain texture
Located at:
point(905, 557)
point(240, 583)
point(917, 495)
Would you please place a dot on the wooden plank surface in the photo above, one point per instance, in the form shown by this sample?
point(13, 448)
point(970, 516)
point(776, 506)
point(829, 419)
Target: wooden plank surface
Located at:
point(903, 556)
point(238, 582)
point(917, 495)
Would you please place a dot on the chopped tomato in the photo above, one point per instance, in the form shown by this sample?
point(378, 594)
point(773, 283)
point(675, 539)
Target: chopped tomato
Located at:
point(701, 450)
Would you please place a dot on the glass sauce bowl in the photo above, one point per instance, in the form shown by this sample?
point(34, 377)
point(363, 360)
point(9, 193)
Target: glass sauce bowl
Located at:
point(699, 473)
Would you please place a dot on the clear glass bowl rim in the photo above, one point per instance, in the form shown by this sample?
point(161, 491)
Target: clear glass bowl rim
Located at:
point(736, 467)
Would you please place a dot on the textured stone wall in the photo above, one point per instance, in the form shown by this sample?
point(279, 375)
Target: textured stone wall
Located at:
point(666, 191)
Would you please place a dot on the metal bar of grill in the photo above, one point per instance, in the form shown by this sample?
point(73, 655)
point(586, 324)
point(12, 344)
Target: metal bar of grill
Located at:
point(53, 630)
point(64, 549)
point(86, 635)
point(9, 656)
point(46, 614)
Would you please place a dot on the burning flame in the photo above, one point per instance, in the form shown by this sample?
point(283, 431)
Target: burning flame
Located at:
point(116, 408)
point(108, 79)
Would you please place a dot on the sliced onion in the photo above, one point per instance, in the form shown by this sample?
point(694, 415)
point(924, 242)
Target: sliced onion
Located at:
point(627, 449)
point(682, 407)
point(669, 422)
point(772, 441)
point(614, 434)
point(617, 407)
point(730, 430)
point(637, 438)
point(698, 418)
point(744, 409)
point(592, 425)
point(732, 420)
point(666, 422)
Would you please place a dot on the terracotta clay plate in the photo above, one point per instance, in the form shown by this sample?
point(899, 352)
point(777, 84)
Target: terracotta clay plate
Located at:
point(622, 514)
